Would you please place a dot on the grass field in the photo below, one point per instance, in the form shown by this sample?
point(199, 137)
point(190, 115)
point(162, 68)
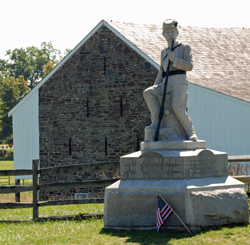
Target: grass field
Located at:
point(91, 231)
point(6, 165)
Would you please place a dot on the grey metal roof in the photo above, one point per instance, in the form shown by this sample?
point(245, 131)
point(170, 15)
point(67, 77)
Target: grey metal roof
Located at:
point(221, 55)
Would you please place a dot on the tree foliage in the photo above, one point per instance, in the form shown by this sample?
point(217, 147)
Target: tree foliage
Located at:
point(12, 90)
point(21, 71)
point(48, 67)
point(28, 62)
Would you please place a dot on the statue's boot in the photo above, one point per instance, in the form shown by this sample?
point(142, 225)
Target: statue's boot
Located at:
point(192, 135)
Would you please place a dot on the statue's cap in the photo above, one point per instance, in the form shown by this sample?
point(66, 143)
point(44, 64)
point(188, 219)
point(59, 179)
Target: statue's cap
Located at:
point(169, 23)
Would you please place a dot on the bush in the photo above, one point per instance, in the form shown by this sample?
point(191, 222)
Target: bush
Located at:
point(6, 152)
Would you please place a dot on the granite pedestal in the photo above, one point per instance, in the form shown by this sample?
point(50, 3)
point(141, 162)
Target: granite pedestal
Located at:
point(191, 178)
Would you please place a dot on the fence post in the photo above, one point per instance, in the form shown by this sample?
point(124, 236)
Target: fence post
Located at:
point(35, 189)
point(17, 182)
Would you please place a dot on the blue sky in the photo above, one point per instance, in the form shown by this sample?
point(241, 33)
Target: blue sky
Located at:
point(65, 23)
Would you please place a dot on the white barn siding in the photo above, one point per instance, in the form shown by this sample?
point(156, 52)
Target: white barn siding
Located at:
point(26, 134)
point(221, 120)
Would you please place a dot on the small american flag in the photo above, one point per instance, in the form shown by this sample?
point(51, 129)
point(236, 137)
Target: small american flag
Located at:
point(163, 212)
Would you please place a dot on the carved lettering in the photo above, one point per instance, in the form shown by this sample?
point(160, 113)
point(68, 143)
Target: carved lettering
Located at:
point(206, 164)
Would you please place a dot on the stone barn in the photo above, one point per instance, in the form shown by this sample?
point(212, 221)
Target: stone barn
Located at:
point(90, 107)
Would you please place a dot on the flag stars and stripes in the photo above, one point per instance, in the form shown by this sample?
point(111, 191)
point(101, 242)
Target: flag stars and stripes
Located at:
point(163, 212)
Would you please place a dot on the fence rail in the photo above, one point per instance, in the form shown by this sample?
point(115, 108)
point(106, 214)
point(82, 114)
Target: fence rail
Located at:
point(56, 186)
point(15, 189)
point(66, 202)
point(79, 168)
point(14, 205)
point(63, 169)
point(16, 172)
point(64, 186)
point(242, 158)
point(243, 178)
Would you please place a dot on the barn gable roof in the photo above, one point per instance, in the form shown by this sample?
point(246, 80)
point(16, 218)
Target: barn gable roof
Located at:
point(221, 55)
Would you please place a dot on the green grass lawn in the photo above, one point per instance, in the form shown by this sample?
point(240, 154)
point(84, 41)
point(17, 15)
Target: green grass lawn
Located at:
point(91, 231)
point(6, 165)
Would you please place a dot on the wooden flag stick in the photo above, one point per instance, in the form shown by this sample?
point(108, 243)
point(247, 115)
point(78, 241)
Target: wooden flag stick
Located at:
point(175, 213)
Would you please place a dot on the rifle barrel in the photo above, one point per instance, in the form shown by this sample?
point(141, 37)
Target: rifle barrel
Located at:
point(163, 100)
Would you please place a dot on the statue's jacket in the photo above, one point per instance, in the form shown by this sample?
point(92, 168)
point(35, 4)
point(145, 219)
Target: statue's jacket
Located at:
point(183, 61)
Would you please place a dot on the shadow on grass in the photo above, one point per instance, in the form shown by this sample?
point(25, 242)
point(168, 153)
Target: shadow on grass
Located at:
point(147, 237)
point(153, 237)
point(76, 217)
point(6, 159)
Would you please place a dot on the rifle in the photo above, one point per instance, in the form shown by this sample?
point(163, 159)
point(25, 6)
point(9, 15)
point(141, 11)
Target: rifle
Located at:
point(163, 99)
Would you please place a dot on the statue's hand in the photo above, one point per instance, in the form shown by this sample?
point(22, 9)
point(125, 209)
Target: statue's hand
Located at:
point(171, 56)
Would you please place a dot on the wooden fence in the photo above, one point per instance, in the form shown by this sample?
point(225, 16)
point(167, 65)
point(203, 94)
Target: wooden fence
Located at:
point(55, 186)
point(242, 158)
point(62, 186)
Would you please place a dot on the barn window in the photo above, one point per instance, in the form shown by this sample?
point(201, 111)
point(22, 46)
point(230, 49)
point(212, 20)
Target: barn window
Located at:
point(106, 146)
point(87, 108)
point(70, 148)
point(104, 65)
point(121, 109)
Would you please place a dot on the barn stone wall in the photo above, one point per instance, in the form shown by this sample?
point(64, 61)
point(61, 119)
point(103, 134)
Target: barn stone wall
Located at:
point(92, 109)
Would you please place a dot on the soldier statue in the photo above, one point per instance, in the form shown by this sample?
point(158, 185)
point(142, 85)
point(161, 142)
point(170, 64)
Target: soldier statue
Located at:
point(180, 59)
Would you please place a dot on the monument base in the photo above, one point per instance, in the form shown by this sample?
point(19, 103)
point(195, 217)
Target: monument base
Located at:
point(200, 203)
point(192, 179)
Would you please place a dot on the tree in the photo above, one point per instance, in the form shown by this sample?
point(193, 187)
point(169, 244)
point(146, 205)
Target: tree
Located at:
point(51, 65)
point(28, 62)
point(48, 67)
point(67, 51)
point(12, 90)
point(3, 72)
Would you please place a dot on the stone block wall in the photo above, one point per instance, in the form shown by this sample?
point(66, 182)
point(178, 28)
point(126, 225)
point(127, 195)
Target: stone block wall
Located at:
point(92, 109)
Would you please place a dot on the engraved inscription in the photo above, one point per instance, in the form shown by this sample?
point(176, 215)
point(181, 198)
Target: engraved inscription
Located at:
point(205, 165)
point(152, 168)
point(155, 166)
